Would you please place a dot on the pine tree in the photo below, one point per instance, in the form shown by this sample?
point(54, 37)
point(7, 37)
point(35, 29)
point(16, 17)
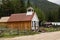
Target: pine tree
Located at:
point(40, 13)
point(18, 6)
point(7, 8)
point(59, 14)
point(12, 6)
point(28, 3)
point(22, 7)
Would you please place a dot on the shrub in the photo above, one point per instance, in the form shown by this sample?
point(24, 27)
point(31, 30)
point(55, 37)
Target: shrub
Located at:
point(50, 29)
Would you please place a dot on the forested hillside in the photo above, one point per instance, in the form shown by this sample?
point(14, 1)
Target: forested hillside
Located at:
point(49, 9)
point(46, 10)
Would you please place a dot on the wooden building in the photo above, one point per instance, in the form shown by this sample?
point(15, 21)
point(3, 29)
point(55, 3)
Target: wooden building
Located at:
point(23, 21)
point(3, 21)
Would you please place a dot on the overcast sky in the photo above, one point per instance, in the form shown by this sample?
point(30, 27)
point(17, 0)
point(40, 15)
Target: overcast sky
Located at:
point(55, 1)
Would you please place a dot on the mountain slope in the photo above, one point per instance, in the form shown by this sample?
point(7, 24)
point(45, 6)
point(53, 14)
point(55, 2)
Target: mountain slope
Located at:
point(45, 5)
point(50, 9)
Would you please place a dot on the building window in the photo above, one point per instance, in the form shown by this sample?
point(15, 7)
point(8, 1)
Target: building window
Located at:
point(34, 23)
point(29, 10)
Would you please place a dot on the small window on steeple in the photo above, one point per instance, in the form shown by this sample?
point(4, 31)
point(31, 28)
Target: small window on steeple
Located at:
point(29, 10)
point(32, 10)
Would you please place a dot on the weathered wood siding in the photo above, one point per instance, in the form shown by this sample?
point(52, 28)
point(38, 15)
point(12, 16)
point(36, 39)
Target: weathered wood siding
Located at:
point(20, 25)
point(17, 25)
point(3, 24)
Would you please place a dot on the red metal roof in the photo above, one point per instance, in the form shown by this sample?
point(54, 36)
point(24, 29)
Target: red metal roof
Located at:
point(20, 17)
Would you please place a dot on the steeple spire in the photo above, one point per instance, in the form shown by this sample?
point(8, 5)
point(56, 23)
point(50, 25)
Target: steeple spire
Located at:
point(30, 11)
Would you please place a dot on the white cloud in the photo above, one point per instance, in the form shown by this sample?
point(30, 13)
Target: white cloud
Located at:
point(55, 1)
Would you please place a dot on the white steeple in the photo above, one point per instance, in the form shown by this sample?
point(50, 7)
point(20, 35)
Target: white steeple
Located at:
point(30, 11)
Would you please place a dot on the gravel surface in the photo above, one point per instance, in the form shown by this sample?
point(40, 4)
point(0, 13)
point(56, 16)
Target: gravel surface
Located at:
point(41, 36)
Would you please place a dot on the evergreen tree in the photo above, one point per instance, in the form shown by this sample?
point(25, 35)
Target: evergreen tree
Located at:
point(22, 7)
point(7, 7)
point(12, 6)
point(59, 14)
point(0, 10)
point(28, 3)
point(50, 17)
point(40, 13)
point(18, 6)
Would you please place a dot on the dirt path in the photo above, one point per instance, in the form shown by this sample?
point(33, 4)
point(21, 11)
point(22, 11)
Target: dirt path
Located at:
point(41, 36)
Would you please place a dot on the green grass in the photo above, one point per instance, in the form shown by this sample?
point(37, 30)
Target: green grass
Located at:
point(7, 32)
point(51, 29)
point(14, 34)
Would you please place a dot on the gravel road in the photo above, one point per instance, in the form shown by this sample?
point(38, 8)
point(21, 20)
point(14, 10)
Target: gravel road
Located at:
point(41, 36)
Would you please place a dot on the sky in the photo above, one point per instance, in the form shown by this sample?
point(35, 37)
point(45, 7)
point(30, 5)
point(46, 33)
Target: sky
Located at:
point(55, 1)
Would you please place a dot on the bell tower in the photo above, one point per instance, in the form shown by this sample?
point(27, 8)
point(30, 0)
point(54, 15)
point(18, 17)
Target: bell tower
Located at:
point(30, 11)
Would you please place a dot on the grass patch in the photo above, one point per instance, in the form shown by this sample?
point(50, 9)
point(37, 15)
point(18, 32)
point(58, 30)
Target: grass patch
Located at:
point(50, 29)
point(8, 32)
point(16, 33)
